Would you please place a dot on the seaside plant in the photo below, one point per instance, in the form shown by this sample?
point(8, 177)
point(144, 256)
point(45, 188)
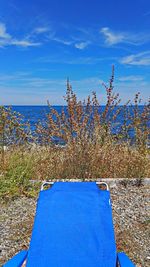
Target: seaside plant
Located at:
point(89, 121)
point(13, 131)
point(15, 159)
point(83, 140)
point(92, 146)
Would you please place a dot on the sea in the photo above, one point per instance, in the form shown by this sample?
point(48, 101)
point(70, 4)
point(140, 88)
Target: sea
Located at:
point(34, 114)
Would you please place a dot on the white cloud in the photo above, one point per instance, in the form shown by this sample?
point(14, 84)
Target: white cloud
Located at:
point(130, 78)
point(111, 38)
point(60, 40)
point(140, 59)
point(116, 37)
point(73, 60)
point(40, 30)
point(20, 88)
point(24, 43)
point(127, 90)
point(8, 40)
point(25, 88)
point(81, 45)
point(3, 32)
point(27, 80)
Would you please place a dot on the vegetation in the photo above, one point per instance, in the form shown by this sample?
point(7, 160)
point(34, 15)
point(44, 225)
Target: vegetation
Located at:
point(90, 144)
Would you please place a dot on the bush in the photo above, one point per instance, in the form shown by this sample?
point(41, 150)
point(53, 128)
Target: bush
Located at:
point(88, 144)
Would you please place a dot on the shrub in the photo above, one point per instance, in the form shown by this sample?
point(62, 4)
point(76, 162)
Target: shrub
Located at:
point(89, 145)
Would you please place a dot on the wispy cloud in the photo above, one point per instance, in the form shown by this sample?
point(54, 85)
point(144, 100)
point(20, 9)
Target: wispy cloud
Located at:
point(80, 39)
point(28, 79)
point(130, 78)
point(70, 42)
point(111, 38)
point(115, 37)
point(74, 60)
point(61, 40)
point(73, 36)
point(24, 43)
point(3, 32)
point(19, 75)
point(32, 38)
point(82, 45)
point(7, 39)
point(140, 59)
point(25, 88)
point(40, 30)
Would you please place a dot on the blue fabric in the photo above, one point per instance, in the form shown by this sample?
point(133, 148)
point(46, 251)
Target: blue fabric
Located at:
point(73, 228)
point(17, 260)
point(124, 261)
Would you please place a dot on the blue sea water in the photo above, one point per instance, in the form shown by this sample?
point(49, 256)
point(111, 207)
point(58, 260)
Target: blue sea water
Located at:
point(33, 114)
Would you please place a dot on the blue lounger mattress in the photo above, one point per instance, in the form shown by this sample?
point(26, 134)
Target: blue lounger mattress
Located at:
point(73, 228)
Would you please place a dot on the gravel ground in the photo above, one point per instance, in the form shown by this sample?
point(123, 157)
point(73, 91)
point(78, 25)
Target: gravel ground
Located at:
point(130, 214)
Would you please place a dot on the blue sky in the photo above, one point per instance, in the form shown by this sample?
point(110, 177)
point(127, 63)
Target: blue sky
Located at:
point(42, 42)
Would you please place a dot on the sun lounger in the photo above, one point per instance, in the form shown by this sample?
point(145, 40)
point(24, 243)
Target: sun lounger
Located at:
point(73, 227)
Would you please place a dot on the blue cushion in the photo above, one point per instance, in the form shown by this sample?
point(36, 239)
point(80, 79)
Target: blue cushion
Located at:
point(17, 260)
point(73, 227)
point(124, 261)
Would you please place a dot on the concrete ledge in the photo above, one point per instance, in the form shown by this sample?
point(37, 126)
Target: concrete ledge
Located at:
point(126, 181)
point(110, 181)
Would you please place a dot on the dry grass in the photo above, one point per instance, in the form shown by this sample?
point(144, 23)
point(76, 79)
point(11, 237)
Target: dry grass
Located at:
point(90, 151)
point(91, 161)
